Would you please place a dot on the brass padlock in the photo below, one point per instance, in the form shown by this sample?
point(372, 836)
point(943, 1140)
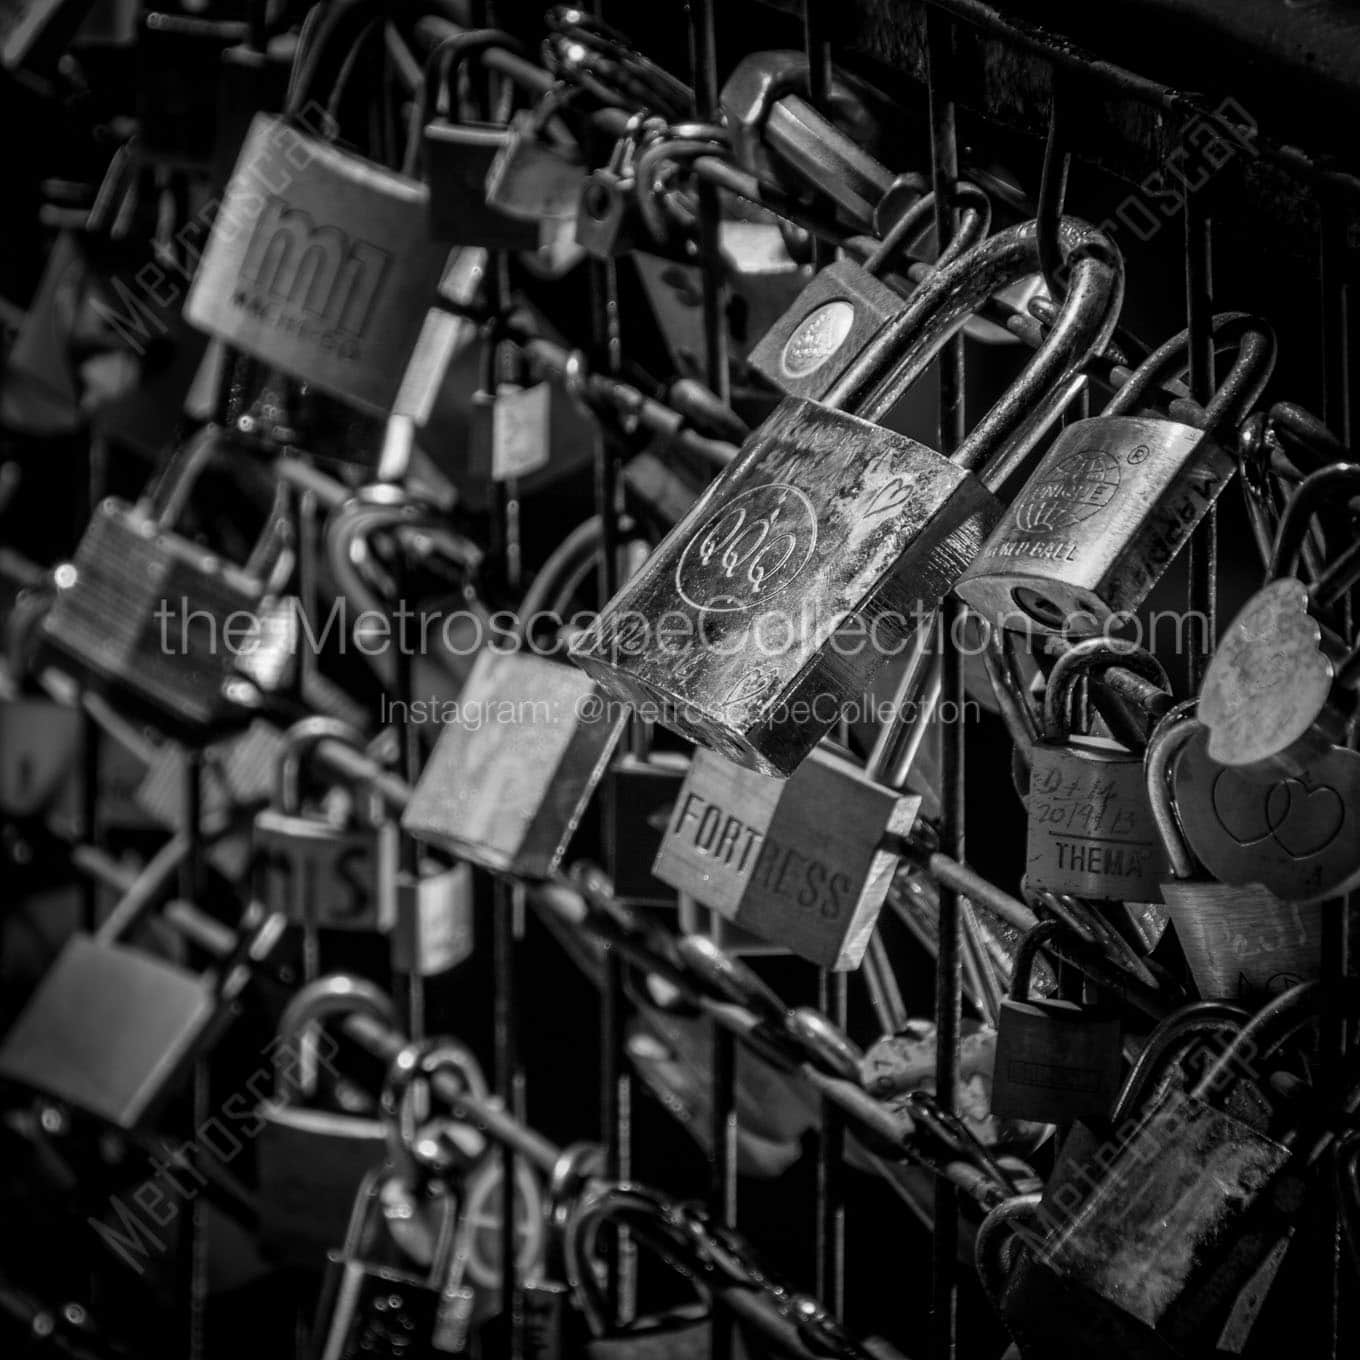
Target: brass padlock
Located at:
point(159, 621)
point(316, 872)
point(510, 776)
point(871, 527)
point(1279, 691)
point(1055, 1061)
point(312, 1161)
point(459, 154)
point(113, 1030)
point(1238, 939)
point(319, 263)
point(1115, 498)
point(1091, 831)
point(804, 863)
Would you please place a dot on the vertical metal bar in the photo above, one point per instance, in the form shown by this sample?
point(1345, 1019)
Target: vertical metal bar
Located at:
point(820, 68)
point(191, 889)
point(509, 908)
point(1202, 558)
point(944, 164)
point(408, 854)
point(833, 1000)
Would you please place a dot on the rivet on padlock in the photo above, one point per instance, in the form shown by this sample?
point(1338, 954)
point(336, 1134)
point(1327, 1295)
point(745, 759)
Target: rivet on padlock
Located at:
point(1091, 831)
point(871, 527)
point(1055, 1061)
point(1238, 938)
point(312, 1161)
point(1115, 497)
point(1279, 691)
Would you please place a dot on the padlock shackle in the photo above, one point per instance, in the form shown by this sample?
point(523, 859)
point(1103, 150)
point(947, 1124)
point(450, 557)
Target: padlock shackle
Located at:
point(1083, 659)
point(296, 749)
point(907, 345)
point(420, 1062)
point(323, 28)
point(335, 995)
point(1325, 489)
point(1022, 969)
point(1165, 744)
point(974, 222)
point(1010, 1221)
point(1254, 360)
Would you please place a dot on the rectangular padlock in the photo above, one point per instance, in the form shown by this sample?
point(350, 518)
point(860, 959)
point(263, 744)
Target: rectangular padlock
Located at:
point(433, 923)
point(510, 777)
point(317, 874)
point(511, 432)
point(804, 863)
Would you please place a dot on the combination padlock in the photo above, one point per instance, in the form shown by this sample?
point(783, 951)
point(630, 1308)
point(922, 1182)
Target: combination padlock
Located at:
point(312, 1161)
point(1055, 1061)
point(1090, 829)
point(871, 527)
point(1279, 692)
point(1116, 497)
point(1239, 939)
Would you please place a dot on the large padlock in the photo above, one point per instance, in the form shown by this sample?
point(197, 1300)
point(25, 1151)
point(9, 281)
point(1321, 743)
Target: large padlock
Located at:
point(1116, 497)
point(1279, 691)
point(510, 777)
point(158, 620)
point(316, 871)
point(1239, 939)
point(1055, 1061)
point(458, 154)
point(804, 862)
point(1091, 831)
point(311, 1161)
point(319, 263)
point(113, 1030)
point(847, 304)
point(871, 527)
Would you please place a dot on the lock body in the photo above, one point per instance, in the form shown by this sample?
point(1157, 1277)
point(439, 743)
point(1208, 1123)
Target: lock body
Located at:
point(510, 776)
point(39, 748)
point(316, 874)
point(1095, 526)
point(819, 551)
point(1090, 829)
point(803, 863)
point(1055, 1061)
point(433, 926)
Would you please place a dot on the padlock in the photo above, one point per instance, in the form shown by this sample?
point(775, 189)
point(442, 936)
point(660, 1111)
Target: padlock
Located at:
point(511, 432)
point(607, 220)
point(1169, 1253)
point(310, 869)
point(113, 1030)
point(1279, 690)
point(34, 33)
point(1091, 831)
point(641, 798)
point(1055, 1061)
point(312, 1161)
point(1298, 836)
point(804, 863)
point(538, 173)
point(156, 619)
point(39, 748)
point(319, 263)
point(1239, 939)
point(1116, 497)
point(458, 155)
point(871, 526)
point(834, 319)
point(432, 926)
point(510, 777)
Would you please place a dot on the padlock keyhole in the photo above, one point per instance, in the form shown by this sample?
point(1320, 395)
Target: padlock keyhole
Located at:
point(1039, 607)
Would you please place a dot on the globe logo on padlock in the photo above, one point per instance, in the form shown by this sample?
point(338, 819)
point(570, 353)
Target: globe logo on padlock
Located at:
point(1072, 490)
point(818, 336)
point(754, 547)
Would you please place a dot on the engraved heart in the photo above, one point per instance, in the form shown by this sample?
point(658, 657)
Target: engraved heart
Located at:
point(888, 497)
point(1244, 818)
point(1312, 818)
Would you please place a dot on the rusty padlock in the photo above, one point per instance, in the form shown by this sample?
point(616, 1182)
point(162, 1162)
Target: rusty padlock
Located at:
point(871, 527)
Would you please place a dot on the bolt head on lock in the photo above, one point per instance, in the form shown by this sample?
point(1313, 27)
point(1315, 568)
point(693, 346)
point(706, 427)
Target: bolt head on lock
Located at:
point(1097, 523)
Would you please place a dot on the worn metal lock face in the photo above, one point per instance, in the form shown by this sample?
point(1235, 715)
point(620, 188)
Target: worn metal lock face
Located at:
point(112, 1031)
point(433, 923)
point(1297, 836)
point(1097, 523)
point(1055, 1061)
point(804, 863)
point(512, 432)
point(512, 773)
point(319, 264)
point(642, 798)
point(315, 873)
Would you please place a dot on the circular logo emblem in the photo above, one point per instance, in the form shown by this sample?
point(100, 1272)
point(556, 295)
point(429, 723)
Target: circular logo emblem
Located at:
point(1073, 489)
point(818, 336)
point(749, 550)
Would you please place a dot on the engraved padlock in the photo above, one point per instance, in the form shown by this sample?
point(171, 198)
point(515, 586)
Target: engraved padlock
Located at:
point(804, 863)
point(1239, 939)
point(1279, 691)
point(1115, 498)
point(1055, 1061)
point(512, 772)
point(311, 1161)
point(872, 528)
point(1090, 829)
point(319, 263)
